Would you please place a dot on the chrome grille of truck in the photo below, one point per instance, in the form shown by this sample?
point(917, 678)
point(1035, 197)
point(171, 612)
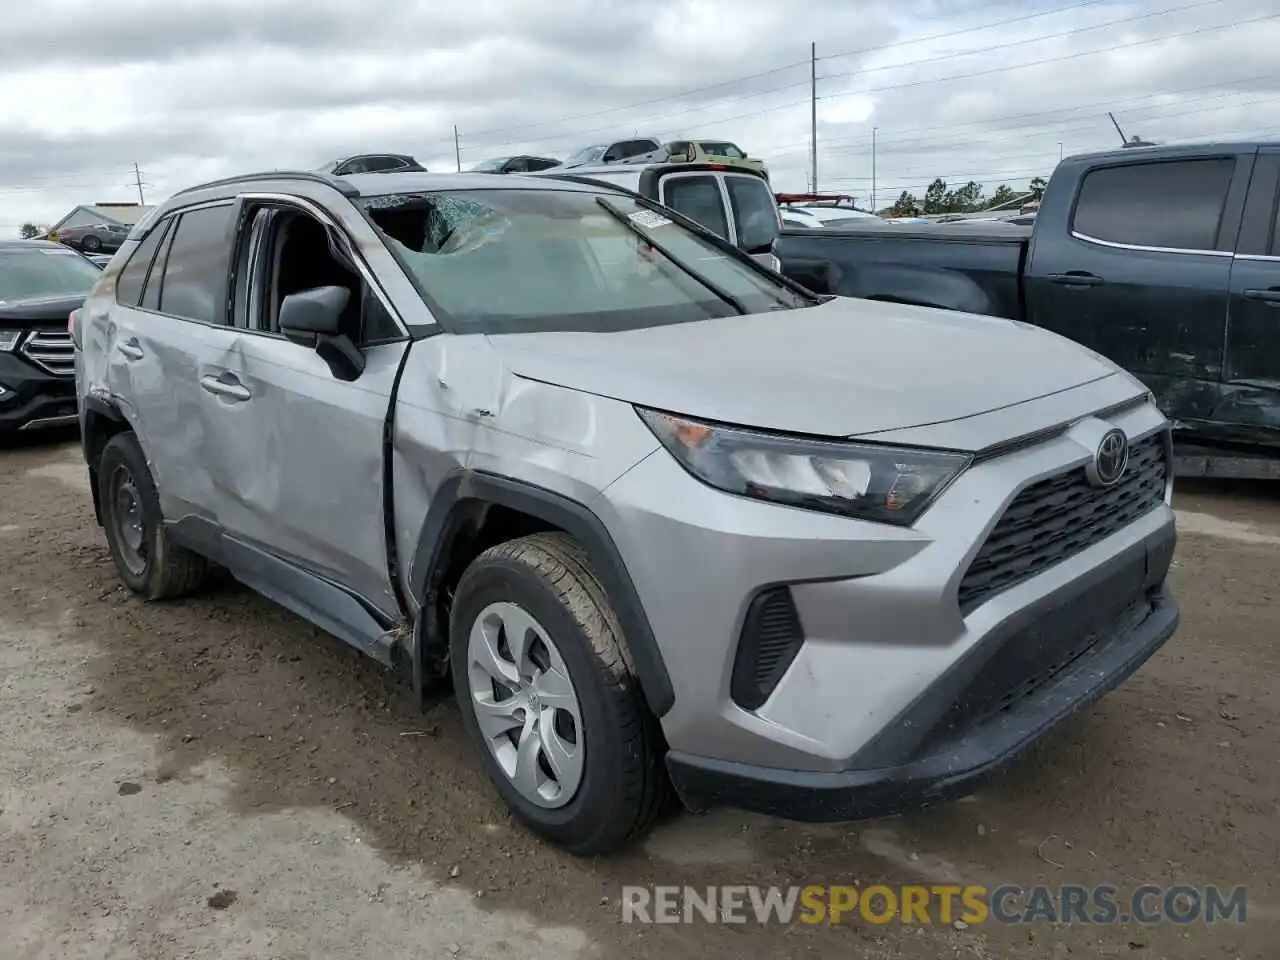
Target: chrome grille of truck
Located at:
point(52, 351)
point(1060, 516)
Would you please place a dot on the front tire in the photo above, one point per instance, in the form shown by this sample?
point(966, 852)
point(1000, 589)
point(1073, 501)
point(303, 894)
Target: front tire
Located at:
point(547, 697)
point(149, 563)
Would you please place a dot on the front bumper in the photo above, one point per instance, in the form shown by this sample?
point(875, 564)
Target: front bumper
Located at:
point(957, 734)
point(32, 399)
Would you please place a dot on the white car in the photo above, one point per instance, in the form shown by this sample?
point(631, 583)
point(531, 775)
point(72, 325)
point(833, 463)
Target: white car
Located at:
point(820, 217)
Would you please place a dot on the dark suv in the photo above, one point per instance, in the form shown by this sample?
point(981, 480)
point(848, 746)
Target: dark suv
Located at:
point(40, 284)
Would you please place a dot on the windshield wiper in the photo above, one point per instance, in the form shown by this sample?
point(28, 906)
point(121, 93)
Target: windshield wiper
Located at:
point(644, 235)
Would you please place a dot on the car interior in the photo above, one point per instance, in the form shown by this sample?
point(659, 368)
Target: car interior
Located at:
point(299, 257)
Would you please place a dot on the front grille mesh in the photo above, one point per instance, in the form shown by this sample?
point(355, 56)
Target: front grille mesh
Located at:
point(51, 350)
point(1060, 516)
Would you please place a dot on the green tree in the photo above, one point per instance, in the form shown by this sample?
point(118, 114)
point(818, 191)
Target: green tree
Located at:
point(968, 198)
point(935, 198)
point(1037, 187)
point(29, 231)
point(905, 206)
point(1002, 196)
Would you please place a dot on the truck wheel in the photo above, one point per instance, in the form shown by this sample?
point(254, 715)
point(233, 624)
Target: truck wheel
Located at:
point(546, 695)
point(149, 563)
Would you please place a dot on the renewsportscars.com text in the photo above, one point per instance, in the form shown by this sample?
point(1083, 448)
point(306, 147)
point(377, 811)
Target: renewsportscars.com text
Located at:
point(942, 904)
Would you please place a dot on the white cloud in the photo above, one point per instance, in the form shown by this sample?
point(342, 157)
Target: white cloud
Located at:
point(195, 89)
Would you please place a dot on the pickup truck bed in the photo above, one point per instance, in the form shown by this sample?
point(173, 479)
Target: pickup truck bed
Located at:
point(974, 267)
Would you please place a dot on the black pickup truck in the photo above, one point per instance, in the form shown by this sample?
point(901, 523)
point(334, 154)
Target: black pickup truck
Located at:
point(1164, 259)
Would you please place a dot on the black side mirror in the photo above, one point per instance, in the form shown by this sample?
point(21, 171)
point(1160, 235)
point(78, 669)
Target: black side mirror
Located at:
point(313, 318)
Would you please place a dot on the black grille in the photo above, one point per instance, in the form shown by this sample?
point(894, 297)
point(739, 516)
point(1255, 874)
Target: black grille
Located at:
point(1058, 517)
point(771, 638)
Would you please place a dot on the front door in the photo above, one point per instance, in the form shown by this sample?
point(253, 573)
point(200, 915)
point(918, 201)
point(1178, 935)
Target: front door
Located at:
point(1249, 405)
point(1141, 276)
point(297, 454)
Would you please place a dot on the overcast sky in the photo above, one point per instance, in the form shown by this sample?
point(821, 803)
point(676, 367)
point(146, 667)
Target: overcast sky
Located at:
point(969, 89)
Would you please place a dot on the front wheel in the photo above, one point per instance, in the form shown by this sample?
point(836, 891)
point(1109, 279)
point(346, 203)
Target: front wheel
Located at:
point(91, 244)
point(149, 563)
point(546, 695)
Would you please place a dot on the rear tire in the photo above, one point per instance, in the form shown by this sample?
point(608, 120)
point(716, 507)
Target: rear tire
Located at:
point(149, 563)
point(583, 716)
point(91, 244)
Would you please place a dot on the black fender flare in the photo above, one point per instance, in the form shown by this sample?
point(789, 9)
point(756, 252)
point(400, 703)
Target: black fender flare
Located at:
point(455, 503)
point(95, 407)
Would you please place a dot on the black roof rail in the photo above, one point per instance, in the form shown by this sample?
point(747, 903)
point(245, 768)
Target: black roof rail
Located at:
point(344, 187)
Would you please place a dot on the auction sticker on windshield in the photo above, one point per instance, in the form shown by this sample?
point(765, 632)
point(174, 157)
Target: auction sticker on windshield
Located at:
point(648, 219)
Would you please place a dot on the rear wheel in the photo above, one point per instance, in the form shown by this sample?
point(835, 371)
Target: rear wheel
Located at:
point(149, 563)
point(91, 244)
point(546, 695)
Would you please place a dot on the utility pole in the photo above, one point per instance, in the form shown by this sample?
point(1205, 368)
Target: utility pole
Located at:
point(137, 179)
point(457, 150)
point(1059, 151)
point(873, 169)
point(813, 113)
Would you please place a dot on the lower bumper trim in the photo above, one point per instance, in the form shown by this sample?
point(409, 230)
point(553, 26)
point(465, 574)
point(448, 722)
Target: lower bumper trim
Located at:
point(950, 770)
point(44, 423)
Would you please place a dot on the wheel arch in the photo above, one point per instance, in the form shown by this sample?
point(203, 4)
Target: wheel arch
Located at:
point(101, 421)
point(472, 511)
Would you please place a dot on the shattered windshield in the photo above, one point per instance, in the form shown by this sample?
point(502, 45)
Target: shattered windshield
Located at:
point(510, 261)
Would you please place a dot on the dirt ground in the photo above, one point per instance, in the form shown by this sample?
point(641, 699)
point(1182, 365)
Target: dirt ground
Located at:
point(214, 778)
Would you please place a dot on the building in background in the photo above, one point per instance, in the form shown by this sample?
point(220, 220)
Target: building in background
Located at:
point(86, 215)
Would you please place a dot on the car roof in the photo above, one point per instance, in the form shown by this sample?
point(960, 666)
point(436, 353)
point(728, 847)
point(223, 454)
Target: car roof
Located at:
point(365, 184)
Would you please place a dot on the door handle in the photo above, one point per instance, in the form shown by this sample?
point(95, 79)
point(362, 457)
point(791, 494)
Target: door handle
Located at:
point(130, 348)
point(1076, 279)
point(1269, 296)
point(230, 388)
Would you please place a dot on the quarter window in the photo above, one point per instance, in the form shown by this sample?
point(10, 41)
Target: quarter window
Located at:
point(195, 272)
point(1173, 204)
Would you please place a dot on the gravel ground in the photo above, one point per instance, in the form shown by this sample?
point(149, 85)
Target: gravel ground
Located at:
point(214, 778)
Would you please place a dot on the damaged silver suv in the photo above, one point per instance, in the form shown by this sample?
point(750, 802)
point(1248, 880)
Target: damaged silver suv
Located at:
point(664, 518)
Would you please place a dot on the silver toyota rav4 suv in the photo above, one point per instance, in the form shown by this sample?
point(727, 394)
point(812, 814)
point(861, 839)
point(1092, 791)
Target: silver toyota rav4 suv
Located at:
point(664, 518)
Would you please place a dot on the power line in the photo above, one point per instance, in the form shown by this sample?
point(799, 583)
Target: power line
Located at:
point(1059, 59)
point(919, 145)
point(923, 82)
point(789, 66)
point(1097, 105)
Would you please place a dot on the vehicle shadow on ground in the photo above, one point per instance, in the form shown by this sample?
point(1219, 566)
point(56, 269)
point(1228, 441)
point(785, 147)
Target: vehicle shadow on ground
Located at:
point(304, 722)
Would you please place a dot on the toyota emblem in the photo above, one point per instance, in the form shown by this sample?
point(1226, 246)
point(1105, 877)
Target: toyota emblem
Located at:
point(1111, 459)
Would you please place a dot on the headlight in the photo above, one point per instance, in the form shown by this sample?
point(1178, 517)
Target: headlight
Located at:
point(9, 339)
point(867, 481)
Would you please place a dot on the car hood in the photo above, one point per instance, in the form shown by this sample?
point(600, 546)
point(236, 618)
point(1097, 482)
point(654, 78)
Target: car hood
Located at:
point(42, 312)
point(843, 368)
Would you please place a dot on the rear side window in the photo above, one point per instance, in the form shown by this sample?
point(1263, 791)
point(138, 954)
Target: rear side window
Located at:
point(699, 199)
point(1176, 204)
point(632, 148)
point(134, 275)
point(195, 272)
point(754, 212)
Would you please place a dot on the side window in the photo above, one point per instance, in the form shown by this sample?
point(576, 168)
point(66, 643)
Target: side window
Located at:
point(195, 272)
point(699, 199)
point(539, 163)
point(1175, 204)
point(297, 258)
point(754, 212)
point(383, 164)
point(155, 280)
point(134, 275)
point(633, 148)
